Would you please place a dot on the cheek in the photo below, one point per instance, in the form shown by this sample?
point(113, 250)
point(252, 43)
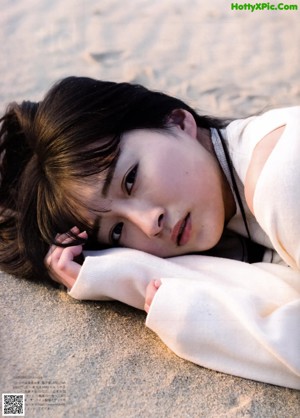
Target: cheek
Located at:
point(160, 182)
point(172, 175)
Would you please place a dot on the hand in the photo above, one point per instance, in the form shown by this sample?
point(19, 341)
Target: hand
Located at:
point(60, 261)
point(151, 290)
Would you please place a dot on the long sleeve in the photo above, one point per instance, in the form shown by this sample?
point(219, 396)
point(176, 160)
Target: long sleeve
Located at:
point(239, 327)
point(277, 194)
point(226, 315)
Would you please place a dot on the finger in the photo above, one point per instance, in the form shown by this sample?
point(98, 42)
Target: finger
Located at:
point(150, 293)
point(157, 283)
point(66, 260)
point(63, 279)
point(60, 260)
point(68, 236)
point(63, 269)
point(53, 254)
point(60, 264)
point(55, 251)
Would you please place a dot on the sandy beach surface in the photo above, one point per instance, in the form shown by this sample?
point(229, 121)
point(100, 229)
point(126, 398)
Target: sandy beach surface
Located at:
point(84, 359)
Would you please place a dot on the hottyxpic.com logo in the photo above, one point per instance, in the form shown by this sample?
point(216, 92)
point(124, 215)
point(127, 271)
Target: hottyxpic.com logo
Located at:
point(253, 7)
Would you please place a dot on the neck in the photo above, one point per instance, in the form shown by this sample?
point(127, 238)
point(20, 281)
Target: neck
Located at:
point(204, 138)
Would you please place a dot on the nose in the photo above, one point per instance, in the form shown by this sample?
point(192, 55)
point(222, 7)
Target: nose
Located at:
point(148, 218)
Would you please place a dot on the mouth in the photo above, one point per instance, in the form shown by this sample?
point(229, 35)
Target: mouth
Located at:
point(182, 231)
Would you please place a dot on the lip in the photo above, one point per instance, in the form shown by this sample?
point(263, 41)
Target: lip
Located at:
point(182, 231)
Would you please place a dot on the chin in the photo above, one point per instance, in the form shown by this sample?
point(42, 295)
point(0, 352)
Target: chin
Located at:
point(209, 243)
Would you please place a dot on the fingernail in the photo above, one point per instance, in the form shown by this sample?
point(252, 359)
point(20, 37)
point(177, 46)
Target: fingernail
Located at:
point(157, 283)
point(146, 307)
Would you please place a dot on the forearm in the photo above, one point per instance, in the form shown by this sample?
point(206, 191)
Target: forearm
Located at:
point(227, 315)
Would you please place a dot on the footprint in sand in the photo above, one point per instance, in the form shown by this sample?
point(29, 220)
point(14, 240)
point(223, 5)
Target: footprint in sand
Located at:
point(106, 58)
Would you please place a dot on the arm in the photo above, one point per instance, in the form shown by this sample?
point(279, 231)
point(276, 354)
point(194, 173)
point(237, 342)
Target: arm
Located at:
point(247, 327)
point(272, 187)
point(222, 314)
point(226, 315)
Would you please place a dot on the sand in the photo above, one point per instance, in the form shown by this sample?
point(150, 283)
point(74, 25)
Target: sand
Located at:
point(98, 359)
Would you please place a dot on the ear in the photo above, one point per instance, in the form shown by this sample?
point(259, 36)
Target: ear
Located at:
point(184, 120)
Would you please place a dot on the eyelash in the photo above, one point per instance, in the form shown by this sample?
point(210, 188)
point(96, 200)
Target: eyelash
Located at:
point(130, 177)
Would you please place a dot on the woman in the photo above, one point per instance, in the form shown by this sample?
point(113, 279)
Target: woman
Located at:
point(142, 170)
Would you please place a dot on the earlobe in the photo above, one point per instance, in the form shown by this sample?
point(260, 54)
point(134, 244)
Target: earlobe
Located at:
point(184, 120)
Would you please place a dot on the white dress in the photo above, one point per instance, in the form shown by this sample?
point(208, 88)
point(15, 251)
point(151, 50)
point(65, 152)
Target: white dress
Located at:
point(234, 317)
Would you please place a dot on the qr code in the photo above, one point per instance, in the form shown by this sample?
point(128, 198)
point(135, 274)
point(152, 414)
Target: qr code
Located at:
point(13, 404)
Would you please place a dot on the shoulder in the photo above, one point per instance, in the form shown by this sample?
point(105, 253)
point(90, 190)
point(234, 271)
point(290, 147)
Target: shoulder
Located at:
point(252, 140)
point(259, 157)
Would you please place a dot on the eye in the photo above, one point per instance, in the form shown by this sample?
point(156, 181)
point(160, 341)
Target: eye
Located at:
point(116, 233)
point(130, 178)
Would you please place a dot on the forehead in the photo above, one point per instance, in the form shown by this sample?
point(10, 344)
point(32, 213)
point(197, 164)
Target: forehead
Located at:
point(144, 143)
point(140, 136)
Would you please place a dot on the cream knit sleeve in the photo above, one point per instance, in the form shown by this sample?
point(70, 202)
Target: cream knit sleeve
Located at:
point(277, 195)
point(222, 314)
point(241, 319)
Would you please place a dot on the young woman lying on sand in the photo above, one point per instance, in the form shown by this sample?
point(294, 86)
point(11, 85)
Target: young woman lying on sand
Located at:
point(116, 165)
